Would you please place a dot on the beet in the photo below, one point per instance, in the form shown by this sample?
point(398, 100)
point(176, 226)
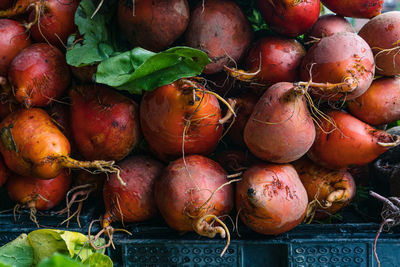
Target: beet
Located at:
point(104, 123)
point(328, 190)
point(134, 202)
point(386, 47)
point(219, 28)
point(13, 39)
point(271, 199)
point(348, 142)
point(39, 74)
point(32, 145)
point(290, 17)
point(187, 197)
point(56, 22)
point(328, 25)
point(33, 193)
point(185, 110)
point(355, 8)
point(153, 25)
point(341, 66)
point(280, 61)
point(380, 104)
point(280, 129)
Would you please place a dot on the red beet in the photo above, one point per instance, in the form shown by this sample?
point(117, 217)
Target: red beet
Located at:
point(13, 39)
point(341, 67)
point(177, 109)
point(290, 17)
point(280, 129)
point(36, 194)
point(39, 74)
point(153, 25)
point(271, 60)
point(56, 22)
point(134, 202)
point(219, 28)
point(355, 8)
point(104, 123)
point(349, 142)
point(271, 199)
point(187, 198)
point(328, 25)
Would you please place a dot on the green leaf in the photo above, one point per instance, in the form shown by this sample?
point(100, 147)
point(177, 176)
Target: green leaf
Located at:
point(17, 253)
point(139, 69)
point(78, 244)
point(98, 41)
point(98, 260)
point(45, 242)
point(60, 260)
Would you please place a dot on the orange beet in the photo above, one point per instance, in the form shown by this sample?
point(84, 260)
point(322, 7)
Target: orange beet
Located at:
point(350, 143)
point(380, 104)
point(170, 110)
point(333, 189)
point(280, 129)
point(271, 199)
point(32, 145)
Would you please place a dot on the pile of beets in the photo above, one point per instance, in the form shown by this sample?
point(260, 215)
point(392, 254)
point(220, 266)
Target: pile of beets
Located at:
point(299, 113)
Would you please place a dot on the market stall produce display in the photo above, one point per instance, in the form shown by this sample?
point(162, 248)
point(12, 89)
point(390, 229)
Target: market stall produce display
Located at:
point(205, 116)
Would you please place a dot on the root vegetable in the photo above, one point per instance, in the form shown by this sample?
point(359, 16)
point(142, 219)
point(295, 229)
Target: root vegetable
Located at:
point(271, 60)
point(271, 199)
point(290, 17)
point(180, 117)
point(327, 25)
point(380, 104)
point(33, 193)
point(55, 23)
point(328, 191)
point(342, 63)
point(348, 142)
point(192, 194)
point(13, 39)
point(386, 48)
point(50, 21)
point(280, 129)
point(32, 145)
point(135, 202)
point(153, 25)
point(355, 8)
point(219, 28)
point(104, 123)
point(39, 74)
